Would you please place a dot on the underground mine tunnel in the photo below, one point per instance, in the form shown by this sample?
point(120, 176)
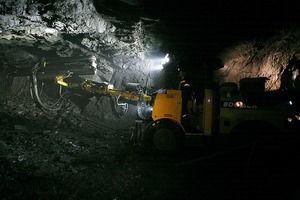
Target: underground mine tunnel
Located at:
point(91, 108)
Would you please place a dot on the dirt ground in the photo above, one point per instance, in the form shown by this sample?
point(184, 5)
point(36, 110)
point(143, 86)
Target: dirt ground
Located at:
point(72, 158)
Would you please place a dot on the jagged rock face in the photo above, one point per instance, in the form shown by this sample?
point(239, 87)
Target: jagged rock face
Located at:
point(34, 29)
point(273, 58)
point(124, 50)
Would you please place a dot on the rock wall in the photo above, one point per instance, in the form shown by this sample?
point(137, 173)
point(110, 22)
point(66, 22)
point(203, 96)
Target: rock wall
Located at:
point(72, 28)
point(31, 30)
point(276, 58)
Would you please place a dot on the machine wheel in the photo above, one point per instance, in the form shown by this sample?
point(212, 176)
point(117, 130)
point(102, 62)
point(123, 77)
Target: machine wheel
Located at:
point(164, 136)
point(254, 131)
point(268, 156)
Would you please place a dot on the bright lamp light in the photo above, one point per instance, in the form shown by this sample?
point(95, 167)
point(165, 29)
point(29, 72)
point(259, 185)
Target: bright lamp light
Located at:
point(158, 63)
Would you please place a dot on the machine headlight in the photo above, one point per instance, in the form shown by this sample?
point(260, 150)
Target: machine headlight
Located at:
point(239, 104)
point(295, 118)
point(144, 110)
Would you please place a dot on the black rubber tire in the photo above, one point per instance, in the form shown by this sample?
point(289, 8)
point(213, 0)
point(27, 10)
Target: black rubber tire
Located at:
point(164, 136)
point(254, 130)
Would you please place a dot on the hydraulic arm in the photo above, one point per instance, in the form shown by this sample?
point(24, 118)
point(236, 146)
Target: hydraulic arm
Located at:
point(67, 76)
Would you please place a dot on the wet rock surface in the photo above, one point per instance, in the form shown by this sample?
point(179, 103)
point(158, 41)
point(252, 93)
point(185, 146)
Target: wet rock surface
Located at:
point(70, 157)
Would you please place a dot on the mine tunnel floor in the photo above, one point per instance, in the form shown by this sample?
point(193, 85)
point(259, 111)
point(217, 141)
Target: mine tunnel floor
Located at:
point(40, 159)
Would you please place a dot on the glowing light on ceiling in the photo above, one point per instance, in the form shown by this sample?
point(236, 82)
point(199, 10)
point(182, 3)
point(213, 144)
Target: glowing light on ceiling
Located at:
point(166, 59)
point(158, 63)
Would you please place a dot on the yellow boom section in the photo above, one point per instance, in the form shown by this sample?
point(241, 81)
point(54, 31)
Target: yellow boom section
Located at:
point(130, 96)
point(103, 89)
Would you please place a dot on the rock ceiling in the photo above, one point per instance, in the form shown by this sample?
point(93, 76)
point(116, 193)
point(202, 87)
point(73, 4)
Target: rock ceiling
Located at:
point(126, 34)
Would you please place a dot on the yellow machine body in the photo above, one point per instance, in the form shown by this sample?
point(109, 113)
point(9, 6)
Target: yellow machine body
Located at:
point(218, 112)
point(168, 105)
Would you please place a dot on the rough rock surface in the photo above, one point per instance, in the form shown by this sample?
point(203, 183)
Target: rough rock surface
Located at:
point(73, 28)
point(125, 51)
point(273, 58)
